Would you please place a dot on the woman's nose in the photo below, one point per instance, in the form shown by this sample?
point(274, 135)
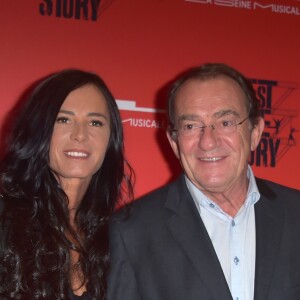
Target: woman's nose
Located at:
point(79, 132)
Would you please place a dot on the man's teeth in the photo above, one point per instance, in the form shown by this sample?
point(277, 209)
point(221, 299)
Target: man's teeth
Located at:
point(210, 158)
point(77, 154)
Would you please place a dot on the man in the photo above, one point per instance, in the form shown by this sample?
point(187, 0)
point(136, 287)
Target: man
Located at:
point(216, 233)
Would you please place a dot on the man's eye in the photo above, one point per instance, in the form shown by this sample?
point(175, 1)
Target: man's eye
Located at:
point(226, 123)
point(188, 127)
point(62, 120)
point(97, 123)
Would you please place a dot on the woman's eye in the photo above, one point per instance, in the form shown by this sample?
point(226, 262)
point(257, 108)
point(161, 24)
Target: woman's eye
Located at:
point(97, 123)
point(62, 120)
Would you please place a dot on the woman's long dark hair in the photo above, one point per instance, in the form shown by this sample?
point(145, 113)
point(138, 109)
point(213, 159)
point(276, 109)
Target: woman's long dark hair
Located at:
point(36, 255)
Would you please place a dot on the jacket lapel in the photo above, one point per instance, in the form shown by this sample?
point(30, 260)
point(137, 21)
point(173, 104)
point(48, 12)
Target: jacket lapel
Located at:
point(189, 231)
point(269, 224)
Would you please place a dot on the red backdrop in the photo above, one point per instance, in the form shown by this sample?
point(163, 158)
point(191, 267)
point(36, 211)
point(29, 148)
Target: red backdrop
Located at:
point(139, 46)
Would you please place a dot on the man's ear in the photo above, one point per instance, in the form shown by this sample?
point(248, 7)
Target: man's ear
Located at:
point(172, 137)
point(257, 133)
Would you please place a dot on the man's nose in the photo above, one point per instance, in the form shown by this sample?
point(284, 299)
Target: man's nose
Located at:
point(208, 137)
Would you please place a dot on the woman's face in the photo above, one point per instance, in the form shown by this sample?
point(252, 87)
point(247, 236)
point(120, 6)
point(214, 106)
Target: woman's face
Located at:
point(80, 135)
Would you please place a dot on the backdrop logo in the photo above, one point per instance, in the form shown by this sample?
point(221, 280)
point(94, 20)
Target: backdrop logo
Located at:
point(254, 5)
point(279, 133)
point(157, 121)
point(145, 123)
point(70, 9)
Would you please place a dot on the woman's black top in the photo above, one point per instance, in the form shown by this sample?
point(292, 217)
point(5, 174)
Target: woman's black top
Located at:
point(84, 296)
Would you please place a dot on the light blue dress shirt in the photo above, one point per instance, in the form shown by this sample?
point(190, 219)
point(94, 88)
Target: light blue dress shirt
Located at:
point(232, 238)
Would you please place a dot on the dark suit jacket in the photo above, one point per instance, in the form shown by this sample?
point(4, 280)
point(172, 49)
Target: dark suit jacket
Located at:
point(163, 251)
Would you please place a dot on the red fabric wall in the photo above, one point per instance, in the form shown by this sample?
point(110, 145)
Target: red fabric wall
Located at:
point(139, 46)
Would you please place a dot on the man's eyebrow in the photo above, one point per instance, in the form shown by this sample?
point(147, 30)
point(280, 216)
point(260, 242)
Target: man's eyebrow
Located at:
point(226, 112)
point(190, 117)
point(218, 114)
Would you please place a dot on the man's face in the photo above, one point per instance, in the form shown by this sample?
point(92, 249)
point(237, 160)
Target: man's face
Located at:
point(212, 160)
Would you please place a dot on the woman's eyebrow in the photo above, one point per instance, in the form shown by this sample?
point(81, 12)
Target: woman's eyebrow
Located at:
point(90, 114)
point(67, 112)
point(97, 114)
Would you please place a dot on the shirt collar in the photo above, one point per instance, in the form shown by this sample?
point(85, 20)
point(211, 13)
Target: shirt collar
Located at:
point(200, 199)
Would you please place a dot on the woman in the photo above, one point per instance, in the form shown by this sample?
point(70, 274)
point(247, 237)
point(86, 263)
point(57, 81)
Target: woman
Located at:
point(61, 179)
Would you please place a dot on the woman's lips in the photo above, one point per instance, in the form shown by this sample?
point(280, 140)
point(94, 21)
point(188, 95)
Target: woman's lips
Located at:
point(76, 153)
